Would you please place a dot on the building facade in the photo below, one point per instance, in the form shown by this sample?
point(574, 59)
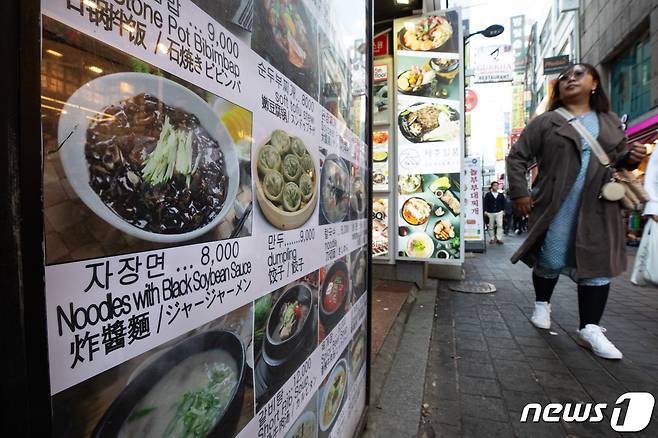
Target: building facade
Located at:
point(620, 38)
point(556, 35)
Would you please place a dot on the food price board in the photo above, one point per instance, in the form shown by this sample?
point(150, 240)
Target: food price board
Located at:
point(383, 147)
point(205, 210)
point(430, 132)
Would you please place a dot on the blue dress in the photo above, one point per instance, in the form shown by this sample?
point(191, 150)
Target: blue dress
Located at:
point(558, 253)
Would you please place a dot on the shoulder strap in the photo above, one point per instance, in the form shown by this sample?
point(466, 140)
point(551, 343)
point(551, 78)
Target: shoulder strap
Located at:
point(594, 144)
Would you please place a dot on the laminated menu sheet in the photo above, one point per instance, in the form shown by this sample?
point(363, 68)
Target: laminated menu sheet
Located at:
point(205, 209)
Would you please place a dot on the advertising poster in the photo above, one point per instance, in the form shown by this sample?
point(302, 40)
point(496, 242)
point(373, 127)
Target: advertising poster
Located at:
point(429, 125)
point(380, 213)
point(381, 107)
point(205, 210)
point(383, 158)
point(473, 208)
point(380, 159)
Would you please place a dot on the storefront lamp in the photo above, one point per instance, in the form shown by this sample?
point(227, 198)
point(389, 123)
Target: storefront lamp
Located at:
point(492, 31)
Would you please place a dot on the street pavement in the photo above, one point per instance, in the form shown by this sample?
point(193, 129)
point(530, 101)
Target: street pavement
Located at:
point(486, 361)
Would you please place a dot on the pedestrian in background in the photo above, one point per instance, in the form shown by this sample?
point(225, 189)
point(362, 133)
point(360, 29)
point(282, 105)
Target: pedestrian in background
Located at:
point(645, 269)
point(509, 214)
point(494, 207)
point(572, 229)
point(651, 186)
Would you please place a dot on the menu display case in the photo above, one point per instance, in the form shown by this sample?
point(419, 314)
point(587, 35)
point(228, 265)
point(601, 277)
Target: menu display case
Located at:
point(205, 194)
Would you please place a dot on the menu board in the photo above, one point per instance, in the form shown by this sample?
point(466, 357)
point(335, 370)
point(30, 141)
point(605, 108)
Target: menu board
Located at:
point(380, 159)
point(205, 209)
point(429, 127)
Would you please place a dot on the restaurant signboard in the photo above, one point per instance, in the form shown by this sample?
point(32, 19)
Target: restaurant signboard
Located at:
point(429, 123)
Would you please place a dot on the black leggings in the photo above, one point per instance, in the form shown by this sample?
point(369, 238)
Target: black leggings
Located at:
point(591, 299)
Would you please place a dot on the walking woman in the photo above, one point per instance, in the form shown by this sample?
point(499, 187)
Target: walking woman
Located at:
point(572, 229)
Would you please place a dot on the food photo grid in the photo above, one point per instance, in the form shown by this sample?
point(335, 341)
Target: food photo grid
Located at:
point(136, 159)
point(380, 159)
point(429, 126)
point(429, 216)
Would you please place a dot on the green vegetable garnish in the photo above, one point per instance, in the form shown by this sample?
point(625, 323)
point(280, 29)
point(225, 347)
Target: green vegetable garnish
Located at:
point(173, 153)
point(140, 414)
point(198, 411)
point(418, 245)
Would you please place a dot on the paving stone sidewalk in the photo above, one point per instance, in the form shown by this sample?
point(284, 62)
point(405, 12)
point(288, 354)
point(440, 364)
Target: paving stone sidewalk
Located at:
point(487, 361)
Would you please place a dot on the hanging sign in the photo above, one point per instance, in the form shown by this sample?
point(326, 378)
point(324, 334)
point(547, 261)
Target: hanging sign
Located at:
point(380, 45)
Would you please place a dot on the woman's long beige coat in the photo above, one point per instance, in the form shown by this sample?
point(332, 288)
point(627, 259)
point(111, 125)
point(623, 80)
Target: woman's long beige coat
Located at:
point(555, 145)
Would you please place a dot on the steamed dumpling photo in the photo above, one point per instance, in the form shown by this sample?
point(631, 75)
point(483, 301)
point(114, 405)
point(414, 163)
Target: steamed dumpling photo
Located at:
point(268, 159)
point(292, 197)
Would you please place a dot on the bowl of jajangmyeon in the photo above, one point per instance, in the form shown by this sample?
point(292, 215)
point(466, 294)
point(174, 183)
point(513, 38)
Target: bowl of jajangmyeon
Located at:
point(286, 186)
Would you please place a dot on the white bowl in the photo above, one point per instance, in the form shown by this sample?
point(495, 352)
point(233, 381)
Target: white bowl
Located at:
point(341, 364)
point(98, 94)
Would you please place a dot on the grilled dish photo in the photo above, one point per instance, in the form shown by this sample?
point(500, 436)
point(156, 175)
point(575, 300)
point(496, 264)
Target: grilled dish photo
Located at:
point(426, 122)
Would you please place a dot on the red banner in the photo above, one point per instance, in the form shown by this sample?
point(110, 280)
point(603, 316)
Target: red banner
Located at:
point(380, 45)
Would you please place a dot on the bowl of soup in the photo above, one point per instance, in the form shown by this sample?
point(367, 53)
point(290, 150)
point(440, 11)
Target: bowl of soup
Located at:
point(195, 388)
point(332, 395)
point(335, 290)
point(289, 322)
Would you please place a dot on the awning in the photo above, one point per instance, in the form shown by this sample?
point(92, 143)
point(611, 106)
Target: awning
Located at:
point(647, 136)
point(644, 132)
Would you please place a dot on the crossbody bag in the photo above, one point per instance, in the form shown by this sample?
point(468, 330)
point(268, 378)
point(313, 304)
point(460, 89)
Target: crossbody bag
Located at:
point(622, 186)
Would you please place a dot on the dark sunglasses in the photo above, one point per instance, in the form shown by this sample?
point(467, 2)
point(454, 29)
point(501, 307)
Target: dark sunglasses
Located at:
point(576, 73)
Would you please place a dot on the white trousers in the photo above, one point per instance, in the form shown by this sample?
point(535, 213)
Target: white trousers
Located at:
point(496, 224)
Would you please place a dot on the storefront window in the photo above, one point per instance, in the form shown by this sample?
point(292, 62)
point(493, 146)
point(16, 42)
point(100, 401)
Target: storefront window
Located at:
point(630, 74)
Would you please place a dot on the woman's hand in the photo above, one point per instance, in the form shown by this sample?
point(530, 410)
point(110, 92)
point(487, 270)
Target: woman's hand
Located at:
point(523, 206)
point(637, 153)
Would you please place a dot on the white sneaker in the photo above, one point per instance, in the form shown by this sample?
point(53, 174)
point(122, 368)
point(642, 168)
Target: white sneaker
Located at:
point(592, 338)
point(541, 317)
